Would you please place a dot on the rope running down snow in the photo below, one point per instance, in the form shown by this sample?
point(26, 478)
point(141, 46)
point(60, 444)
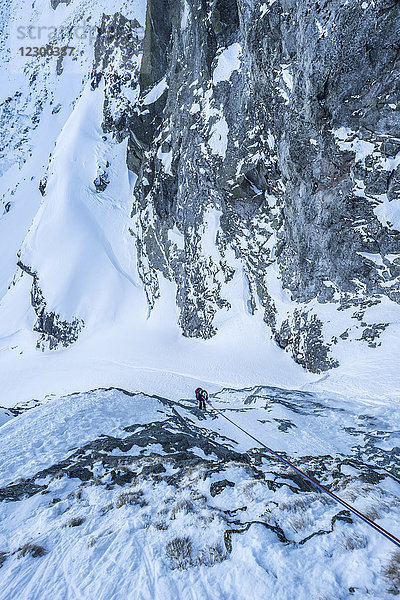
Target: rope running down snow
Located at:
point(356, 512)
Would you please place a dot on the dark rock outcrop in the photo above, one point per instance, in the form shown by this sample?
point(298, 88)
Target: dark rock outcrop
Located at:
point(54, 331)
point(287, 147)
point(265, 138)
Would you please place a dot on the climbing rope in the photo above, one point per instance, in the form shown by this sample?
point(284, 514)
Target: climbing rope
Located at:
point(356, 512)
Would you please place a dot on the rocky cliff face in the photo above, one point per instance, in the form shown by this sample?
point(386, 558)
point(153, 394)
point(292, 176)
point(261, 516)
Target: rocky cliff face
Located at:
point(276, 127)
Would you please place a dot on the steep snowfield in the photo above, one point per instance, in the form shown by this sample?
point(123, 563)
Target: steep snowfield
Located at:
point(139, 495)
point(113, 495)
point(86, 232)
point(81, 243)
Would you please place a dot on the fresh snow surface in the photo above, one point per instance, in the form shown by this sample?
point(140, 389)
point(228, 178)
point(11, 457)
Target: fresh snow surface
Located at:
point(176, 237)
point(287, 76)
point(147, 353)
point(108, 503)
point(90, 232)
point(82, 244)
point(218, 140)
point(166, 159)
point(74, 421)
point(228, 61)
point(156, 92)
point(185, 15)
point(348, 140)
point(388, 212)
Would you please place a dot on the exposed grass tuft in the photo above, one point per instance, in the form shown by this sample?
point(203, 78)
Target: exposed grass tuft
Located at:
point(75, 522)
point(179, 552)
point(372, 514)
point(105, 509)
point(184, 506)
point(211, 556)
point(248, 489)
point(353, 542)
point(392, 574)
point(129, 498)
point(161, 525)
point(33, 549)
point(296, 504)
point(299, 523)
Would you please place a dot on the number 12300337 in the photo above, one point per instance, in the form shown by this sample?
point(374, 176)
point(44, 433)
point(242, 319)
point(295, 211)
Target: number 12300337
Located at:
point(46, 51)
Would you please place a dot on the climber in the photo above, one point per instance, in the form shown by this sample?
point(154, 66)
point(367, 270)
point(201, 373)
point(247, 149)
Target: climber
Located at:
point(201, 397)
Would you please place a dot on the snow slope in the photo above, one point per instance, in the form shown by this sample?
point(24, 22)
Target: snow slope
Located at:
point(82, 243)
point(79, 243)
point(106, 481)
point(109, 484)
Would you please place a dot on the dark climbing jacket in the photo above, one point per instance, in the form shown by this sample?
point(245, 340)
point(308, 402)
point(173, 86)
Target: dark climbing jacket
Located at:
point(201, 397)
